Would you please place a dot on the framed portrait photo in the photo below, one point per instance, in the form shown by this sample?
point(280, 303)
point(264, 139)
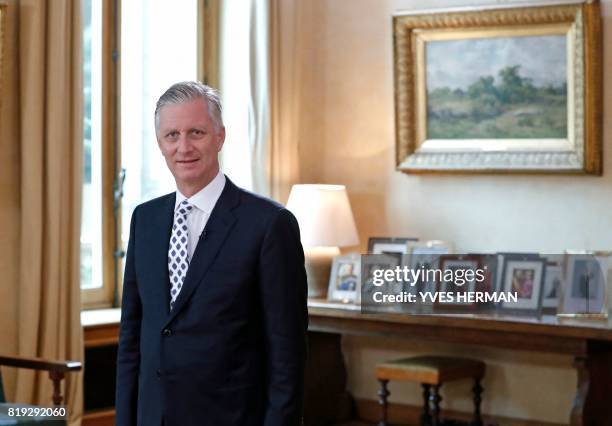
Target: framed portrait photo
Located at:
point(585, 287)
point(369, 264)
point(523, 276)
point(462, 281)
point(425, 256)
point(553, 282)
point(344, 279)
point(491, 267)
point(553, 285)
point(499, 90)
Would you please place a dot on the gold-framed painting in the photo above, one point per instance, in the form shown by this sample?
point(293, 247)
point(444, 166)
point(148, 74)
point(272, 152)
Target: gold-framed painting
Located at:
point(499, 90)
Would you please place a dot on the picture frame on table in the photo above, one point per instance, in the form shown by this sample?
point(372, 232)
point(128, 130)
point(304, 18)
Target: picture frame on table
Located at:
point(553, 286)
point(425, 255)
point(523, 275)
point(506, 89)
point(345, 278)
point(457, 262)
point(397, 247)
point(586, 286)
point(369, 264)
point(501, 256)
point(553, 282)
point(489, 263)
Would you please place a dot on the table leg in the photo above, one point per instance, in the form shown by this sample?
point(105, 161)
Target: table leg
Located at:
point(326, 401)
point(383, 393)
point(592, 405)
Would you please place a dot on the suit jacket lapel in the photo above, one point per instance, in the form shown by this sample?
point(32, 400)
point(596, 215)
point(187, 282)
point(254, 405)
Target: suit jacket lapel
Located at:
point(160, 239)
point(217, 228)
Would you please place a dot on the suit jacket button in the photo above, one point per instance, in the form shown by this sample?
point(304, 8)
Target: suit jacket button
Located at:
point(159, 373)
point(167, 332)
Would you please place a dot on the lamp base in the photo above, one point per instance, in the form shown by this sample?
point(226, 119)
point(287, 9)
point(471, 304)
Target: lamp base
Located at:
point(318, 267)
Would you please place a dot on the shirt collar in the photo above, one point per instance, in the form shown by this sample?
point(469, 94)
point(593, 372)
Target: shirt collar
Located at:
point(206, 198)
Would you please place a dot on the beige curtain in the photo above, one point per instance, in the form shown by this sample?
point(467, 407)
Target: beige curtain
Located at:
point(45, 124)
point(9, 189)
point(274, 102)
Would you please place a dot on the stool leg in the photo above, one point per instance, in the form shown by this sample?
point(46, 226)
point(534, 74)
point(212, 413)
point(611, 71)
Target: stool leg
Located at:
point(435, 398)
point(477, 389)
point(383, 393)
point(426, 416)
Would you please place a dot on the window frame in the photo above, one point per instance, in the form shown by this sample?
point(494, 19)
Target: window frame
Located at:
point(104, 297)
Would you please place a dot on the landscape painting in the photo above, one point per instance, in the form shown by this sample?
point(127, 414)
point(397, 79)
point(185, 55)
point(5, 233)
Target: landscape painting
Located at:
point(497, 88)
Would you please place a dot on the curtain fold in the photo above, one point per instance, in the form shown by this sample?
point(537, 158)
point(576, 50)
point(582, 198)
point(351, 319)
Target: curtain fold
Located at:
point(274, 115)
point(46, 120)
point(259, 99)
point(262, 99)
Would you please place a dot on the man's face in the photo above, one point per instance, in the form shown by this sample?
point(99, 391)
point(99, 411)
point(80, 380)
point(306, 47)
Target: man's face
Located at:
point(190, 144)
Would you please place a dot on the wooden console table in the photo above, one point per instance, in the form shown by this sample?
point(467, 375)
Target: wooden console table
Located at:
point(588, 342)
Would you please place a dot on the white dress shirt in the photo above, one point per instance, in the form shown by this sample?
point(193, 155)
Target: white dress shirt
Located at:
point(203, 203)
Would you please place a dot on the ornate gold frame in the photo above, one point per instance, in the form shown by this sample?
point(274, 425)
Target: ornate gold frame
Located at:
point(580, 153)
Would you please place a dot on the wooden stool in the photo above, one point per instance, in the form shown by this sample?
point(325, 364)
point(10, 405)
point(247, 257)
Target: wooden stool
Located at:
point(430, 371)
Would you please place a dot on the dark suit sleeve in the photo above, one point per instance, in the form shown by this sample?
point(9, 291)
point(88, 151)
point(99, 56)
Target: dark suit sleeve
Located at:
point(282, 281)
point(128, 355)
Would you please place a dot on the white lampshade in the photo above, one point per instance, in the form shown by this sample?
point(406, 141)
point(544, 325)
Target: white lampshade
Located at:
point(324, 215)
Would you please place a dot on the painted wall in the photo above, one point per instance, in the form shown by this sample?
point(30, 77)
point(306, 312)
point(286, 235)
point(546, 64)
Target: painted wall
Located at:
point(347, 136)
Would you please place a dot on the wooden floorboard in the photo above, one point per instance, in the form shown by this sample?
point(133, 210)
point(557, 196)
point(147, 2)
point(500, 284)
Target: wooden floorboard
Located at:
point(99, 418)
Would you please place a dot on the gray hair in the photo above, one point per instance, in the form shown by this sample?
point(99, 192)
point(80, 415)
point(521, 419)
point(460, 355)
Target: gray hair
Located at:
point(187, 91)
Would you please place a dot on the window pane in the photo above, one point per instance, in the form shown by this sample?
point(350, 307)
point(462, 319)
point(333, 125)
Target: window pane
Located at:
point(91, 217)
point(159, 48)
point(236, 91)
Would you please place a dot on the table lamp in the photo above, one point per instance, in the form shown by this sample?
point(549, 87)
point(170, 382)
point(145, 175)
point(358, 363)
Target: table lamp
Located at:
point(326, 224)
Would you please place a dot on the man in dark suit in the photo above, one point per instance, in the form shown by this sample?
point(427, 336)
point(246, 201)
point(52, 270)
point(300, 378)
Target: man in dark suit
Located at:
point(214, 318)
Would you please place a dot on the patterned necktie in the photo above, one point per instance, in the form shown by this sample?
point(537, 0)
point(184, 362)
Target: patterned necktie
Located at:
point(178, 257)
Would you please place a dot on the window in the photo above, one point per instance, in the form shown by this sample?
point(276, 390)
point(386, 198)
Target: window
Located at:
point(152, 60)
point(121, 165)
point(131, 55)
point(235, 85)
